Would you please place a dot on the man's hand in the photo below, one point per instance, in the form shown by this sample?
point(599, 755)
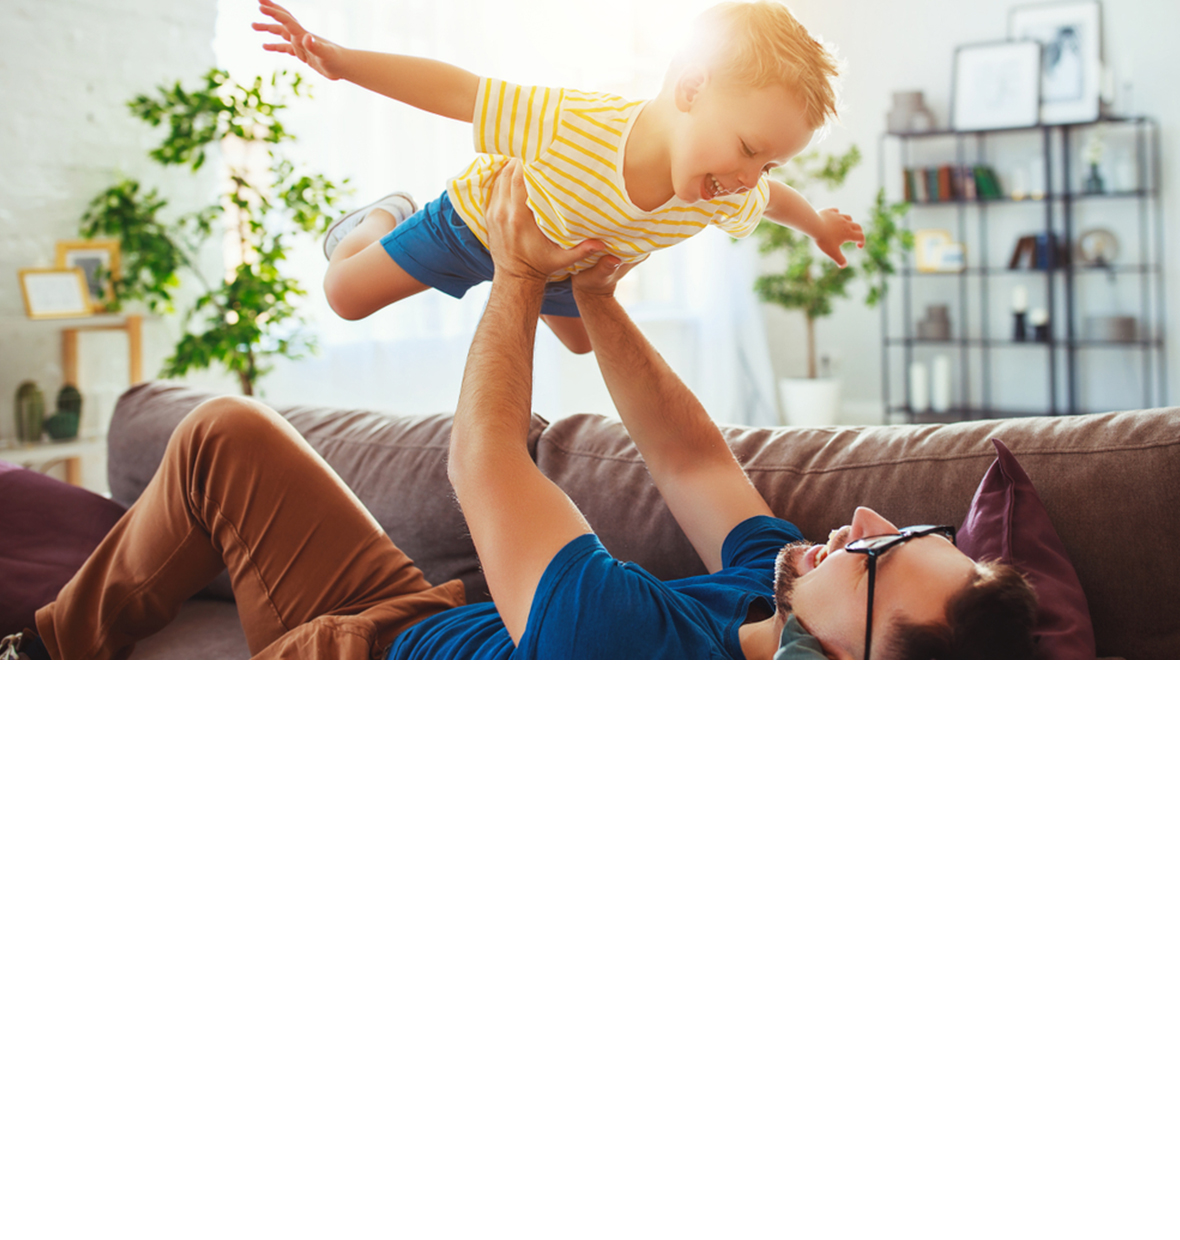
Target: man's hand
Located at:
point(836, 230)
point(318, 54)
point(518, 247)
point(602, 279)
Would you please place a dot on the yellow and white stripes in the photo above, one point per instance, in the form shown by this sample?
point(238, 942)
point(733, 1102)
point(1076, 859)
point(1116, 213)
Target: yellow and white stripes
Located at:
point(571, 145)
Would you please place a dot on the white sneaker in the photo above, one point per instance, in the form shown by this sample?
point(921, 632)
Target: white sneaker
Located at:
point(400, 205)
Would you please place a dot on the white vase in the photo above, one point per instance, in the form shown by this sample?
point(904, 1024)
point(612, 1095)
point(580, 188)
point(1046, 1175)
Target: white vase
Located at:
point(810, 402)
point(940, 384)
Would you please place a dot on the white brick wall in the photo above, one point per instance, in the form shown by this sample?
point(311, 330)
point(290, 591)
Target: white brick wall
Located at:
point(67, 69)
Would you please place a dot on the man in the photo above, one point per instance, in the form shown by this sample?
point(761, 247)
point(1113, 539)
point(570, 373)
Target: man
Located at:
point(317, 578)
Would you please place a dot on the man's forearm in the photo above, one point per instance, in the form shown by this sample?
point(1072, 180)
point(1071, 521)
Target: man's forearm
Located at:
point(669, 425)
point(495, 400)
point(430, 85)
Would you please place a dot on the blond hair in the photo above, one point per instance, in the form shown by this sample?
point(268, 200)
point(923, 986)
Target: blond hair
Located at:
point(759, 43)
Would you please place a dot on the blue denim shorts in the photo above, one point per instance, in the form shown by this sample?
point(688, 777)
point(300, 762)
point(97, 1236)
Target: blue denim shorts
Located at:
point(436, 247)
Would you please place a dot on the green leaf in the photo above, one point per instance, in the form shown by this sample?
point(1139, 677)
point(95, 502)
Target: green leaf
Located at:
point(256, 313)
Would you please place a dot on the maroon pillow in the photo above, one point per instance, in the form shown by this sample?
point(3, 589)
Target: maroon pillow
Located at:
point(47, 529)
point(1008, 522)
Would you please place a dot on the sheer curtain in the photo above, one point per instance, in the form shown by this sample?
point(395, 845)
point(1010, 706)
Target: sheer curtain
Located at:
point(694, 301)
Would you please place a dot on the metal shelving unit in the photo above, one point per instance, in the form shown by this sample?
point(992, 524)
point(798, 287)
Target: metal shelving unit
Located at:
point(990, 366)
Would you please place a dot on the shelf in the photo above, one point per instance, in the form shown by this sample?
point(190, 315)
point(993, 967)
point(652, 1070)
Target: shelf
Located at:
point(1075, 370)
point(970, 343)
point(1029, 200)
point(956, 343)
point(922, 134)
point(1110, 269)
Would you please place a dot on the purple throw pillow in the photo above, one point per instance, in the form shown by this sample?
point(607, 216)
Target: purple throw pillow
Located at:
point(47, 529)
point(1008, 522)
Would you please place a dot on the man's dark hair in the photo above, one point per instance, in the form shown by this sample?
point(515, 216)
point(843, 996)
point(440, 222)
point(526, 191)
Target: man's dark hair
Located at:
point(991, 617)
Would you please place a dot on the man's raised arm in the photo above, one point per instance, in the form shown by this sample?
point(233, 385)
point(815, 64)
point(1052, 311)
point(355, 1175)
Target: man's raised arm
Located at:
point(699, 477)
point(519, 519)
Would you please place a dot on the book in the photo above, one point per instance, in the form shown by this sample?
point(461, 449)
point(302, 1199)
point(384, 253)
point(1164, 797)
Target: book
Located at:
point(987, 183)
point(1024, 254)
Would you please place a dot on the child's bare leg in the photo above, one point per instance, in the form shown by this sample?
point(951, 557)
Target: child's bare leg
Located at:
point(570, 331)
point(361, 277)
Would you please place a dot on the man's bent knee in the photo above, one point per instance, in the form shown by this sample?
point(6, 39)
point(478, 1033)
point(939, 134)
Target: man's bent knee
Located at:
point(230, 417)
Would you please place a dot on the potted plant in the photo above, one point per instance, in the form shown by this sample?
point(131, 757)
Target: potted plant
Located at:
point(809, 281)
point(254, 312)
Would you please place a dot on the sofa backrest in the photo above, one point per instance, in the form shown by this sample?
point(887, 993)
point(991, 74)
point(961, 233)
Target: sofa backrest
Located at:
point(1108, 481)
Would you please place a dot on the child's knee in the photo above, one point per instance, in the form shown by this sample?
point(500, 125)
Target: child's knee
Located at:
point(342, 295)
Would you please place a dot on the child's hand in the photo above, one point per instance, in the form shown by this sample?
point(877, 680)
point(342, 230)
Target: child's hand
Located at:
point(837, 230)
point(315, 52)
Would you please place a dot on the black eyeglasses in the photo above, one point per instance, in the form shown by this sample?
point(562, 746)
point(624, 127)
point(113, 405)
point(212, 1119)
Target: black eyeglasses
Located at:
point(876, 547)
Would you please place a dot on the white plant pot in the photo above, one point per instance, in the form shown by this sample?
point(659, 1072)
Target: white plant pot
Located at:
point(810, 402)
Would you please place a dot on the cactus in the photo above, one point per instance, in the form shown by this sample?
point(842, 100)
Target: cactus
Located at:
point(64, 423)
point(30, 412)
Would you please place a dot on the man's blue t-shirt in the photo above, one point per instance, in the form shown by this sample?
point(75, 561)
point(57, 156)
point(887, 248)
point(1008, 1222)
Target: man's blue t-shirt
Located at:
point(589, 605)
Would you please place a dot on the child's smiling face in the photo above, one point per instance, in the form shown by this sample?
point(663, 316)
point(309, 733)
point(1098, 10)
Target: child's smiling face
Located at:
point(729, 135)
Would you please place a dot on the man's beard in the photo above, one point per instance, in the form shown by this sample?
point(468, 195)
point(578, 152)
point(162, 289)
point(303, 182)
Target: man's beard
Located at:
point(786, 566)
point(786, 573)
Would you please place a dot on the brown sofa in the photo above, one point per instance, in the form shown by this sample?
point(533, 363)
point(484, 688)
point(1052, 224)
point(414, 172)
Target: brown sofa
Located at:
point(1110, 482)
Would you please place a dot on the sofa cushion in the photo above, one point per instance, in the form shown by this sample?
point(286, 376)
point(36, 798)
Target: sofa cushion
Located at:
point(47, 529)
point(1008, 522)
point(1107, 482)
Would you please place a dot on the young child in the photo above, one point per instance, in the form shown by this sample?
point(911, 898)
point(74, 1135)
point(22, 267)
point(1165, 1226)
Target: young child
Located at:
point(745, 96)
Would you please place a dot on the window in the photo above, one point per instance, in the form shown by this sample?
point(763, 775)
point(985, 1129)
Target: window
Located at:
point(694, 300)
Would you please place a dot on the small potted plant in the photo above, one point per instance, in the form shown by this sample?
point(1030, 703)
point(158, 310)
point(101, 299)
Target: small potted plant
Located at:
point(809, 281)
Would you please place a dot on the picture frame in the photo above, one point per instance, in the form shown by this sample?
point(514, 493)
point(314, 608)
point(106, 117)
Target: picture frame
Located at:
point(929, 244)
point(952, 257)
point(996, 85)
point(99, 262)
point(1071, 65)
point(55, 293)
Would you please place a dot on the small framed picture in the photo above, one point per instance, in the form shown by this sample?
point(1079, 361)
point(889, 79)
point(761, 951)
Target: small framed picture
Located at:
point(929, 245)
point(97, 260)
point(51, 293)
point(1071, 64)
point(997, 85)
point(952, 257)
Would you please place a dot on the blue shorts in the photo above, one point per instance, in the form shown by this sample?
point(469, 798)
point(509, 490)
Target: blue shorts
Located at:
point(436, 247)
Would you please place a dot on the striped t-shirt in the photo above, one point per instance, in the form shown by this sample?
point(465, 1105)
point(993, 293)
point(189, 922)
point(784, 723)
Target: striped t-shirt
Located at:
point(571, 144)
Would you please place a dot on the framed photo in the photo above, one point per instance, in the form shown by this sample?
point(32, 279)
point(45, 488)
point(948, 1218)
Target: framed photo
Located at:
point(929, 244)
point(952, 257)
point(51, 293)
point(98, 261)
point(997, 85)
point(1071, 66)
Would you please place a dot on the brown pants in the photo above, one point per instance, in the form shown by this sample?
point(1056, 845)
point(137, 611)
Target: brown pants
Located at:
point(314, 575)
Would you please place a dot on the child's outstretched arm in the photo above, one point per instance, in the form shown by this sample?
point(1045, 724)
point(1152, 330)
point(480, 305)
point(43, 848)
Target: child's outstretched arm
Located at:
point(830, 228)
point(429, 85)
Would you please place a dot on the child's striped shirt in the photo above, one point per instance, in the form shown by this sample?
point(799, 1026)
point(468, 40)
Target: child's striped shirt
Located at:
point(571, 144)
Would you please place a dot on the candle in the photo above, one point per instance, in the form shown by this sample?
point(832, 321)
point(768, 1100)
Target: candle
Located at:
point(940, 383)
point(1019, 299)
point(919, 388)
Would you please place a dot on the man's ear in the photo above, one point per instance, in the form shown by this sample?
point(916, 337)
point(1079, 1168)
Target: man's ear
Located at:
point(692, 80)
